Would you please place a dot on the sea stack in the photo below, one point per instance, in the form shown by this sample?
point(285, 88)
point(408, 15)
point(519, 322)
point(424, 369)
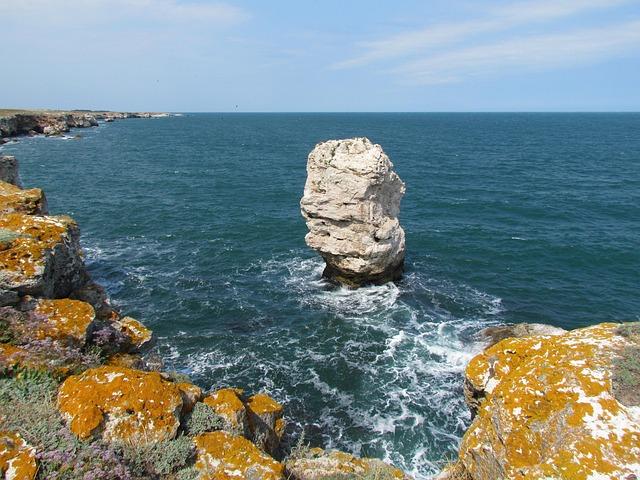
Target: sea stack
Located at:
point(351, 204)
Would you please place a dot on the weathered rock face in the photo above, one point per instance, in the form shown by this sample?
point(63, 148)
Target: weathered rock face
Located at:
point(40, 256)
point(351, 204)
point(556, 406)
point(222, 455)
point(258, 418)
point(17, 458)
point(318, 464)
point(474, 394)
point(16, 200)
point(9, 170)
point(121, 405)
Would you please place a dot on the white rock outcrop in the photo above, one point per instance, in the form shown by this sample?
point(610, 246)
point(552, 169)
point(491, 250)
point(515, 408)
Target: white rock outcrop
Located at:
point(351, 204)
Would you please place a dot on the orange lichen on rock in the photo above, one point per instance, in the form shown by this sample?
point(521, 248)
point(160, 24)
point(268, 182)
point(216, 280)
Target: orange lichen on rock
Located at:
point(121, 404)
point(549, 411)
point(222, 456)
point(226, 403)
point(16, 200)
point(191, 394)
point(17, 458)
point(65, 319)
point(265, 421)
point(139, 336)
point(318, 464)
point(42, 256)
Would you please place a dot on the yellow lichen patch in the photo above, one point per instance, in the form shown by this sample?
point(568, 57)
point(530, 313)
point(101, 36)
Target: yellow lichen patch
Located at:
point(191, 394)
point(16, 200)
point(262, 403)
point(221, 456)
point(136, 332)
point(318, 464)
point(24, 257)
point(122, 404)
point(549, 411)
point(17, 458)
point(66, 319)
point(227, 404)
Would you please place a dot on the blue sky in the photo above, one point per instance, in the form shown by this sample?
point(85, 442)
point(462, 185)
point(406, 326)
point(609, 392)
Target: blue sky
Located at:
point(348, 55)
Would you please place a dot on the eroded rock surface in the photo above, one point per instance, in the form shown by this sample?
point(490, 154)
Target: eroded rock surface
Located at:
point(40, 256)
point(9, 170)
point(16, 200)
point(318, 464)
point(550, 410)
point(351, 204)
point(222, 455)
point(17, 458)
point(121, 405)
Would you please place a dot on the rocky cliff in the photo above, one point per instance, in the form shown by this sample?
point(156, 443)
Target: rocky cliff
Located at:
point(561, 405)
point(351, 204)
point(15, 123)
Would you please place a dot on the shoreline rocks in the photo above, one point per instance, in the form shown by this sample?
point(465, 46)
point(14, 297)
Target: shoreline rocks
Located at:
point(558, 405)
point(351, 204)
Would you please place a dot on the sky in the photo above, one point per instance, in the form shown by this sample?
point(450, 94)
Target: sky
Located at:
point(315, 56)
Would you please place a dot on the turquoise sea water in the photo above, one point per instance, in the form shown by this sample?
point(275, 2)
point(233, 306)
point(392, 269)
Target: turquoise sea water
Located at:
point(192, 223)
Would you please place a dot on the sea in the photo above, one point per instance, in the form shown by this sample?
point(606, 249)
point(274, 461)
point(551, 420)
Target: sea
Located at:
point(193, 225)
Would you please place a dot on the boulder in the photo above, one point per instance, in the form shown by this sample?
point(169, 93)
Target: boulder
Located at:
point(9, 170)
point(16, 200)
point(139, 337)
point(191, 394)
point(222, 455)
point(318, 464)
point(228, 405)
point(557, 406)
point(265, 422)
point(17, 458)
point(64, 320)
point(121, 405)
point(351, 204)
point(40, 256)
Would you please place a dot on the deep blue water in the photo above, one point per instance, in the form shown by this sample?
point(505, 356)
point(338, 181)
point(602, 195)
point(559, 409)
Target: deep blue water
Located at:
point(193, 225)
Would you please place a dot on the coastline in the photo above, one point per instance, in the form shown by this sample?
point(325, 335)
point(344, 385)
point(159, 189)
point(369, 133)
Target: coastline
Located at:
point(484, 385)
point(16, 123)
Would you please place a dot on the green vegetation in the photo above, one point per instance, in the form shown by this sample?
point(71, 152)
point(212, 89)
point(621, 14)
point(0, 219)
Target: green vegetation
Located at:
point(203, 419)
point(162, 458)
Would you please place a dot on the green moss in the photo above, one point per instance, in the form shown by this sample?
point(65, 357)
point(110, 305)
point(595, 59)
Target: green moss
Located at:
point(161, 458)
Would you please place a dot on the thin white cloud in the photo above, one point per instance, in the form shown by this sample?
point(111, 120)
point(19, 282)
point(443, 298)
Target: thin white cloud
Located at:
point(525, 54)
point(497, 19)
point(78, 11)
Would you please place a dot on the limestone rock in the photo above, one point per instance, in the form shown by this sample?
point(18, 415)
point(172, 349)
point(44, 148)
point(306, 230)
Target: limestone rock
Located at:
point(492, 335)
point(121, 405)
point(265, 422)
point(9, 170)
point(41, 255)
point(139, 336)
point(222, 455)
point(318, 464)
point(227, 404)
point(17, 458)
point(550, 408)
point(64, 319)
point(16, 200)
point(191, 394)
point(351, 204)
